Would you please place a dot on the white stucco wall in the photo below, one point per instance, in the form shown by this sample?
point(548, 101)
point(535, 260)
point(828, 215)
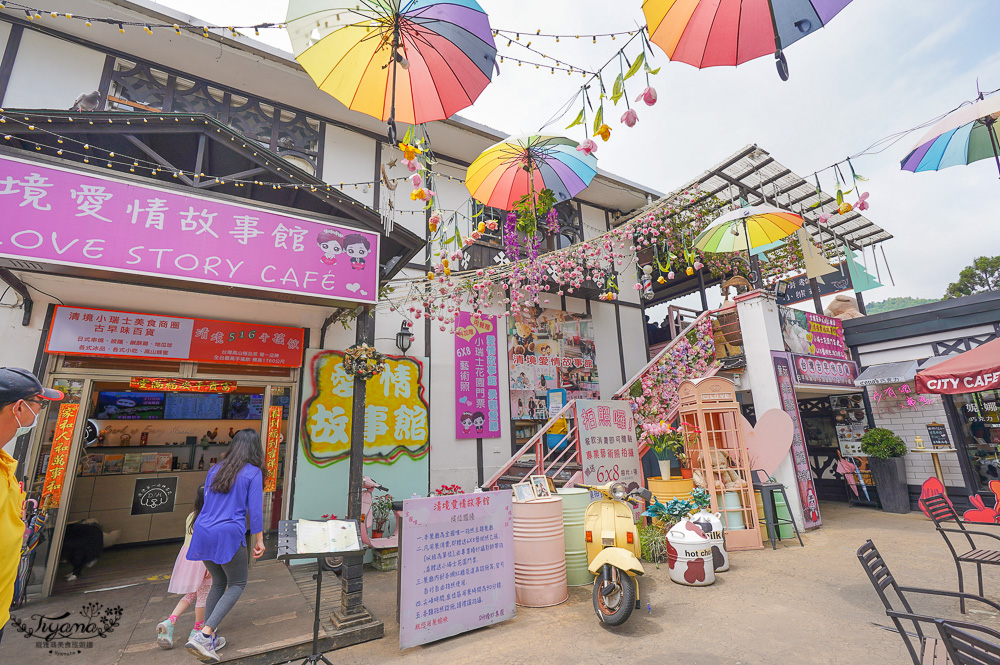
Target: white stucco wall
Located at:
point(37, 83)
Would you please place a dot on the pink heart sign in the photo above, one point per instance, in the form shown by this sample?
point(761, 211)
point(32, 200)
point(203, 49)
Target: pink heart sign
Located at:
point(769, 442)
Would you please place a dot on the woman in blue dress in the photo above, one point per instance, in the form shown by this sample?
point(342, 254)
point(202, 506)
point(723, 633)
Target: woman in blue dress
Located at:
point(234, 493)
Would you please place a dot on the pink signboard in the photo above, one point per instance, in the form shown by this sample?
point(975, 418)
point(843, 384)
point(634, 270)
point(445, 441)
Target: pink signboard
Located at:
point(69, 218)
point(800, 458)
point(812, 370)
point(456, 565)
point(811, 334)
point(107, 333)
point(477, 400)
point(607, 442)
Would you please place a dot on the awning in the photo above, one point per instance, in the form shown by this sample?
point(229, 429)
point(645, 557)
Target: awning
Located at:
point(899, 372)
point(969, 372)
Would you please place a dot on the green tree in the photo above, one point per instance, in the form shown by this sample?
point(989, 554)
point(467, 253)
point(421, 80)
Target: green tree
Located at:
point(892, 304)
point(982, 275)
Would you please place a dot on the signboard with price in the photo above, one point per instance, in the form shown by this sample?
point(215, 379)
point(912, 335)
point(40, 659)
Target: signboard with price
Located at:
point(99, 332)
point(456, 565)
point(607, 442)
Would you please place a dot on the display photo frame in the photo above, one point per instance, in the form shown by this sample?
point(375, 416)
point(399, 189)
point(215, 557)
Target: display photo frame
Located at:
point(543, 487)
point(524, 492)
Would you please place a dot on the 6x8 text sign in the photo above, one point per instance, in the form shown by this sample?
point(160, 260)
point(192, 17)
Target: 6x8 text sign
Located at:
point(69, 218)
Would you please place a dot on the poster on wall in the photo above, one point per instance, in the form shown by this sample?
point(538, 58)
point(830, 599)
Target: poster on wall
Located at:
point(550, 349)
point(396, 432)
point(477, 377)
point(457, 565)
point(154, 495)
point(607, 443)
point(813, 370)
point(811, 334)
point(800, 457)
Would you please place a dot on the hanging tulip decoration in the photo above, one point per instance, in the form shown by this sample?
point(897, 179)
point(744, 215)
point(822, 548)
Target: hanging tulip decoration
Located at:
point(629, 118)
point(648, 96)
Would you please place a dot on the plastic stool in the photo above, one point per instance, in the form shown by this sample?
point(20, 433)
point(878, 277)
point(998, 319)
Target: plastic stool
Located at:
point(771, 519)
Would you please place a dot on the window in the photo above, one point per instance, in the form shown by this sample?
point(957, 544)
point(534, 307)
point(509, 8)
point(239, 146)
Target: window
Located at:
point(979, 417)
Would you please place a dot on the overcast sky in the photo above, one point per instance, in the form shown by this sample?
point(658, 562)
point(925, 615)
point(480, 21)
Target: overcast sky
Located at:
point(880, 67)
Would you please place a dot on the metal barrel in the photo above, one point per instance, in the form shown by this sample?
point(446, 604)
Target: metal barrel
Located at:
point(676, 488)
point(574, 507)
point(539, 553)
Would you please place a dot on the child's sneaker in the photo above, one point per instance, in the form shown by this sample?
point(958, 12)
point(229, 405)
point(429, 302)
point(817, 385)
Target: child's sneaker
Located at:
point(203, 647)
point(220, 641)
point(165, 634)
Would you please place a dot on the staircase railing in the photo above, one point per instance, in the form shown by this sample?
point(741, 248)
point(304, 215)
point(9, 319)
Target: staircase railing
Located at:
point(551, 462)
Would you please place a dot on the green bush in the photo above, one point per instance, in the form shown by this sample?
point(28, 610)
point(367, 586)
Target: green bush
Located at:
point(654, 543)
point(881, 443)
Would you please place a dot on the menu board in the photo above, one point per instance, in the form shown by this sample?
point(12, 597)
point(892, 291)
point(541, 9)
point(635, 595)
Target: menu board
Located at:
point(129, 406)
point(938, 434)
point(193, 406)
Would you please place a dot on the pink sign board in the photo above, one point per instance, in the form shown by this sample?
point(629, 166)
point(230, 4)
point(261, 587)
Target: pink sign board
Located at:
point(477, 399)
point(69, 218)
point(800, 458)
point(811, 334)
point(607, 442)
point(456, 567)
point(812, 370)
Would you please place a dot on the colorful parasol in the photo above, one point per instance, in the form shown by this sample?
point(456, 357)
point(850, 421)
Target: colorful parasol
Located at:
point(962, 137)
point(744, 229)
point(499, 176)
point(414, 61)
point(726, 33)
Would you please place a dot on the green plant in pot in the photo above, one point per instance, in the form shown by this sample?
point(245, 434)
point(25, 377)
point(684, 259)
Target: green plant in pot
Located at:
point(381, 509)
point(885, 452)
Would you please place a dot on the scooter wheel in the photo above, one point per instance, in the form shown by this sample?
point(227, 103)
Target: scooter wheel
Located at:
point(334, 564)
point(616, 607)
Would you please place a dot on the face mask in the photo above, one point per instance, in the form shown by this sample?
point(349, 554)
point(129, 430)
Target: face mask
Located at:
point(24, 429)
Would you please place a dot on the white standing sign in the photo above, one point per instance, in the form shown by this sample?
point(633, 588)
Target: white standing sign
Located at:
point(607, 442)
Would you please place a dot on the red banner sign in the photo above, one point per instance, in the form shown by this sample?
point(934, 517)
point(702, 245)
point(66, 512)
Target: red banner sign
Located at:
point(98, 332)
point(183, 385)
point(271, 454)
point(62, 439)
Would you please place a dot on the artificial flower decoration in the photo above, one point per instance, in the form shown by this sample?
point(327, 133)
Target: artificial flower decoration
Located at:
point(824, 217)
point(418, 193)
point(587, 146)
point(648, 95)
point(604, 132)
point(411, 165)
point(630, 117)
point(410, 151)
point(670, 275)
point(416, 180)
point(660, 280)
point(845, 208)
point(689, 271)
point(862, 203)
point(698, 265)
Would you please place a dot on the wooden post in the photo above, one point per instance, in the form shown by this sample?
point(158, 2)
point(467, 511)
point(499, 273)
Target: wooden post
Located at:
point(817, 302)
point(364, 323)
point(701, 290)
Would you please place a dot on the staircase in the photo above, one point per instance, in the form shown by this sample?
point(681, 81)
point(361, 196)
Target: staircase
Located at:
point(563, 463)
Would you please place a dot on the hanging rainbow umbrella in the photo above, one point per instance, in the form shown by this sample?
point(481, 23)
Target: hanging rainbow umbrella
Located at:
point(499, 176)
point(414, 61)
point(746, 228)
point(962, 137)
point(714, 33)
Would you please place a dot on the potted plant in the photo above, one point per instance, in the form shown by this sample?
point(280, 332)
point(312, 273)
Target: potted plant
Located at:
point(885, 453)
point(381, 509)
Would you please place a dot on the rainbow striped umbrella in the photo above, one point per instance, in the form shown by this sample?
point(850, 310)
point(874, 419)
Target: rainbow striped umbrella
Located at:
point(962, 137)
point(414, 61)
point(499, 176)
point(713, 33)
point(744, 229)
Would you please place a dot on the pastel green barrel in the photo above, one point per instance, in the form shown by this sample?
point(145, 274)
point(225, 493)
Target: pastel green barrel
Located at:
point(574, 505)
point(539, 553)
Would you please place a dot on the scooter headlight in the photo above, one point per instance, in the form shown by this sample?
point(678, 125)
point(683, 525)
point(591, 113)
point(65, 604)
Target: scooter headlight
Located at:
point(619, 491)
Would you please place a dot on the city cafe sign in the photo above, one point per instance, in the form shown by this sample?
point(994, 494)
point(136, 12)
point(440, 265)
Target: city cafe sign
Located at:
point(972, 383)
point(70, 218)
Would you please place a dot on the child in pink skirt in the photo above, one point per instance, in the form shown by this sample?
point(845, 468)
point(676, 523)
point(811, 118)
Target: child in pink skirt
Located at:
point(190, 578)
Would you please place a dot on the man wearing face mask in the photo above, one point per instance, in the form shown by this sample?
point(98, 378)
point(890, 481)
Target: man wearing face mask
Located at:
point(22, 398)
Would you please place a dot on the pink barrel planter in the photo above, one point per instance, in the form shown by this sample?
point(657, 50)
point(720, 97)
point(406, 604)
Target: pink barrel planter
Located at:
point(539, 553)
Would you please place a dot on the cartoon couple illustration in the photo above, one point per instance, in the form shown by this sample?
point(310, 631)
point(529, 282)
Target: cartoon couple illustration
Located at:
point(333, 244)
point(469, 419)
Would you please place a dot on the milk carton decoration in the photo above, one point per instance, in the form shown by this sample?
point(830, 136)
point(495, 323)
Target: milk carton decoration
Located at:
point(711, 524)
point(689, 555)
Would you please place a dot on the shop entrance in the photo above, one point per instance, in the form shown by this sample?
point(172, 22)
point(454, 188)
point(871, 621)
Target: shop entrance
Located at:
point(143, 436)
point(832, 423)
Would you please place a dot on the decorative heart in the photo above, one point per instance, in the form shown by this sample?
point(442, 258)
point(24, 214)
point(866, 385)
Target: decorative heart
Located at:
point(353, 288)
point(466, 333)
point(463, 400)
point(482, 325)
point(769, 442)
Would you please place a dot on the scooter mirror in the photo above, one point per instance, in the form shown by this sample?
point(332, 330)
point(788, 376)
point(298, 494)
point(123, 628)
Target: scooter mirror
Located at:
point(645, 494)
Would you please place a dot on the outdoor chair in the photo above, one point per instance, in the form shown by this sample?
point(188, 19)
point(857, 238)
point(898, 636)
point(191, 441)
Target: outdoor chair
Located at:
point(923, 649)
point(942, 512)
point(964, 648)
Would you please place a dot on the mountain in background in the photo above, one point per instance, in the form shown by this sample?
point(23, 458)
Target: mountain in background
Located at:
point(892, 304)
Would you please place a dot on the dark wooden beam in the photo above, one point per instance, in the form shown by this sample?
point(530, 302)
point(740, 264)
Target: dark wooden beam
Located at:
point(156, 157)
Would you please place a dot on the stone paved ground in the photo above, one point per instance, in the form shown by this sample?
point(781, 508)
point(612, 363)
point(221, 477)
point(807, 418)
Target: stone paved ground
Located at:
point(794, 605)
